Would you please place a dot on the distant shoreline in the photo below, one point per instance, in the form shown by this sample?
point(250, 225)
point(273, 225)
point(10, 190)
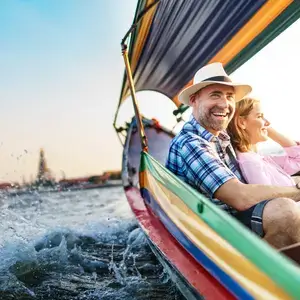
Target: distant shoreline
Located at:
point(115, 183)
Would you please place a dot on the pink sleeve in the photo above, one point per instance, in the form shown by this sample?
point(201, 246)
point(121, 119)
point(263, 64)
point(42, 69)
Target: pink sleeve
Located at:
point(254, 173)
point(290, 161)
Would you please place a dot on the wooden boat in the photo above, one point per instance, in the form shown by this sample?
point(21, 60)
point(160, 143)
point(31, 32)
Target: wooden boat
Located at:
point(207, 253)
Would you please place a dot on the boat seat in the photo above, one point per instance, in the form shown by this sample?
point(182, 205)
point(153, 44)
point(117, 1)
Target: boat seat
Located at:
point(292, 251)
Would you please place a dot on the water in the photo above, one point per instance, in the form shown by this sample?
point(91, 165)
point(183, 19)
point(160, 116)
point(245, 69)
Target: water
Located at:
point(76, 245)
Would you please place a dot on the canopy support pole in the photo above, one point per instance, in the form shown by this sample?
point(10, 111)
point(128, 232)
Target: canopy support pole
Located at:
point(143, 138)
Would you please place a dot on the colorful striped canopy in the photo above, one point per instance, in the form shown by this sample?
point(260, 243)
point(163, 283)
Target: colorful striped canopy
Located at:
point(177, 37)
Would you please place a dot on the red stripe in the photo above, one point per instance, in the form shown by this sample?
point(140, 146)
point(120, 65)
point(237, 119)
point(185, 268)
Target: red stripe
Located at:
point(195, 274)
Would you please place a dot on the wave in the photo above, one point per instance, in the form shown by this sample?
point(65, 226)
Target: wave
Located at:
point(108, 260)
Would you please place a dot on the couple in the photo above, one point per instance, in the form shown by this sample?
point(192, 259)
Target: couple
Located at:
point(256, 190)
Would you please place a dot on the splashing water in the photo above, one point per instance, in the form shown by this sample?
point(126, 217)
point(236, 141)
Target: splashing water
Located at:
point(76, 245)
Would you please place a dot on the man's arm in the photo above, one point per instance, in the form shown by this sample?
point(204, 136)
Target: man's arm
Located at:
point(296, 179)
point(208, 173)
point(242, 196)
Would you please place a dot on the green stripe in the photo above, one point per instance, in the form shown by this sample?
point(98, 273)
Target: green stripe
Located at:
point(285, 274)
point(282, 22)
point(143, 163)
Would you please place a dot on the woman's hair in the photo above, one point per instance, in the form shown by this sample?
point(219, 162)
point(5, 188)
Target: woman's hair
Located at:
point(239, 137)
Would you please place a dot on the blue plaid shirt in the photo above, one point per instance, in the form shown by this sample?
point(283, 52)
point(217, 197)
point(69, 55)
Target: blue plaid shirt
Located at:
point(203, 160)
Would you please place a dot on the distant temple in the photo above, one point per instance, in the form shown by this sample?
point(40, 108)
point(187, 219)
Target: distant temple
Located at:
point(44, 175)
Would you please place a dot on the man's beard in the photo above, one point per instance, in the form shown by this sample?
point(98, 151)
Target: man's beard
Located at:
point(207, 120)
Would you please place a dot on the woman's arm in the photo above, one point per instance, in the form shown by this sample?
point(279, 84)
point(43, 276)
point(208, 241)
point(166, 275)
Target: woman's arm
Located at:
point(290, 161)
point(279, 138)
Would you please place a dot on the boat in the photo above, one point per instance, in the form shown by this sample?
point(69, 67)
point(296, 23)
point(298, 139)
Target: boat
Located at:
point(207, 253)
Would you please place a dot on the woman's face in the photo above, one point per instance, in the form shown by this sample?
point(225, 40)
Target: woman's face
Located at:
point(256, 125)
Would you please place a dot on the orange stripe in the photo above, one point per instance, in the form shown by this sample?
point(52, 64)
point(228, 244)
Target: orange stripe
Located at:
point(268, 12)
point(257, 24)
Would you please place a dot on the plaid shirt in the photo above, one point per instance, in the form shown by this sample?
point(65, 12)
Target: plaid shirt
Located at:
point(203, 160)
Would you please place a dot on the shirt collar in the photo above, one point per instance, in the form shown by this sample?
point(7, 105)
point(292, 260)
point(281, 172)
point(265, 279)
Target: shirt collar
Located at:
point(193, 125)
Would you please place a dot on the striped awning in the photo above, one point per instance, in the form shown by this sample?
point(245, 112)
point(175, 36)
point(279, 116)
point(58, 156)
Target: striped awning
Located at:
point(177, 37)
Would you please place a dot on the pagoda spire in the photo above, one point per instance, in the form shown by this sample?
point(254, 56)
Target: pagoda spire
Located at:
point(44, 173)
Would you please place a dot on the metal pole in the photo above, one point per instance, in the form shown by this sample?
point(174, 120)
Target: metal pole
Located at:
point(143, 138)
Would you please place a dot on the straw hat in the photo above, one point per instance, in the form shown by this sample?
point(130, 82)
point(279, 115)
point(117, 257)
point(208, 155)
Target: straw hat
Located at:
point(213, 74)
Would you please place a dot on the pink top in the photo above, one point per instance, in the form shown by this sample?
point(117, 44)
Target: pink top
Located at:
point(270, 170)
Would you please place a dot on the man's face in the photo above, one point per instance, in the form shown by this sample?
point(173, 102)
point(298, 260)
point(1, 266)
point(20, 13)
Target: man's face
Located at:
point(214, 106)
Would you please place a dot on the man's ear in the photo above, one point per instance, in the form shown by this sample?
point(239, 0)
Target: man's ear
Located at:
point(241, 122)
point(192, 99)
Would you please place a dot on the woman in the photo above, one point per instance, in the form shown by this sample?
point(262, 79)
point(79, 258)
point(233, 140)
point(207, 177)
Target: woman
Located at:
point(249, 127)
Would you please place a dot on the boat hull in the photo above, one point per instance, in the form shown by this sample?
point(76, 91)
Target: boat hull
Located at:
point(193, 281)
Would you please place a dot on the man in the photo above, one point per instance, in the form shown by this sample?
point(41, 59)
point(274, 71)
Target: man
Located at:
point(202, 156)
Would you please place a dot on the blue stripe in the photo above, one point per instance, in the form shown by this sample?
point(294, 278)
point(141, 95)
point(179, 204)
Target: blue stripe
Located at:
point(200, 257)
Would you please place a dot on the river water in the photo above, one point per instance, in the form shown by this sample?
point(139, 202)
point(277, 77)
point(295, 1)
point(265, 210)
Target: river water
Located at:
point(76, 245)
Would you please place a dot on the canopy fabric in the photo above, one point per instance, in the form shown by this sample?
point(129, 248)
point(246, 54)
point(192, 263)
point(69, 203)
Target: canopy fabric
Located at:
point(176, 37)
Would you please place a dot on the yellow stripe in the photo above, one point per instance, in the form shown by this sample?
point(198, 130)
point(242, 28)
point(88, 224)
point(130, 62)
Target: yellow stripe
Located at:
point(258, 284)
point(140, 41)
point(267, 13)
point(143, 33)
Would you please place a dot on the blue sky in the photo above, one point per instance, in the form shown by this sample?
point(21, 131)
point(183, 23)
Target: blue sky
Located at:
point(60, 76)
point(61, 70)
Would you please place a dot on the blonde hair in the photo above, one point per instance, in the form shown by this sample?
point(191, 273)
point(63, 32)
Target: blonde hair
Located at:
point(239, 137)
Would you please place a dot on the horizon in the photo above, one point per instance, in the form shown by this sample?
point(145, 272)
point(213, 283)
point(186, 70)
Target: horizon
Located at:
point(57, 177)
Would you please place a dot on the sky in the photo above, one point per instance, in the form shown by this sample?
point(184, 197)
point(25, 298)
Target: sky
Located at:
point(60, 77)
point(61, 71)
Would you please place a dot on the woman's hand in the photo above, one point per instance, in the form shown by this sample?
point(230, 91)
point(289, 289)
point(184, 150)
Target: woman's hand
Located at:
point(279, 138)
point(272, 133)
